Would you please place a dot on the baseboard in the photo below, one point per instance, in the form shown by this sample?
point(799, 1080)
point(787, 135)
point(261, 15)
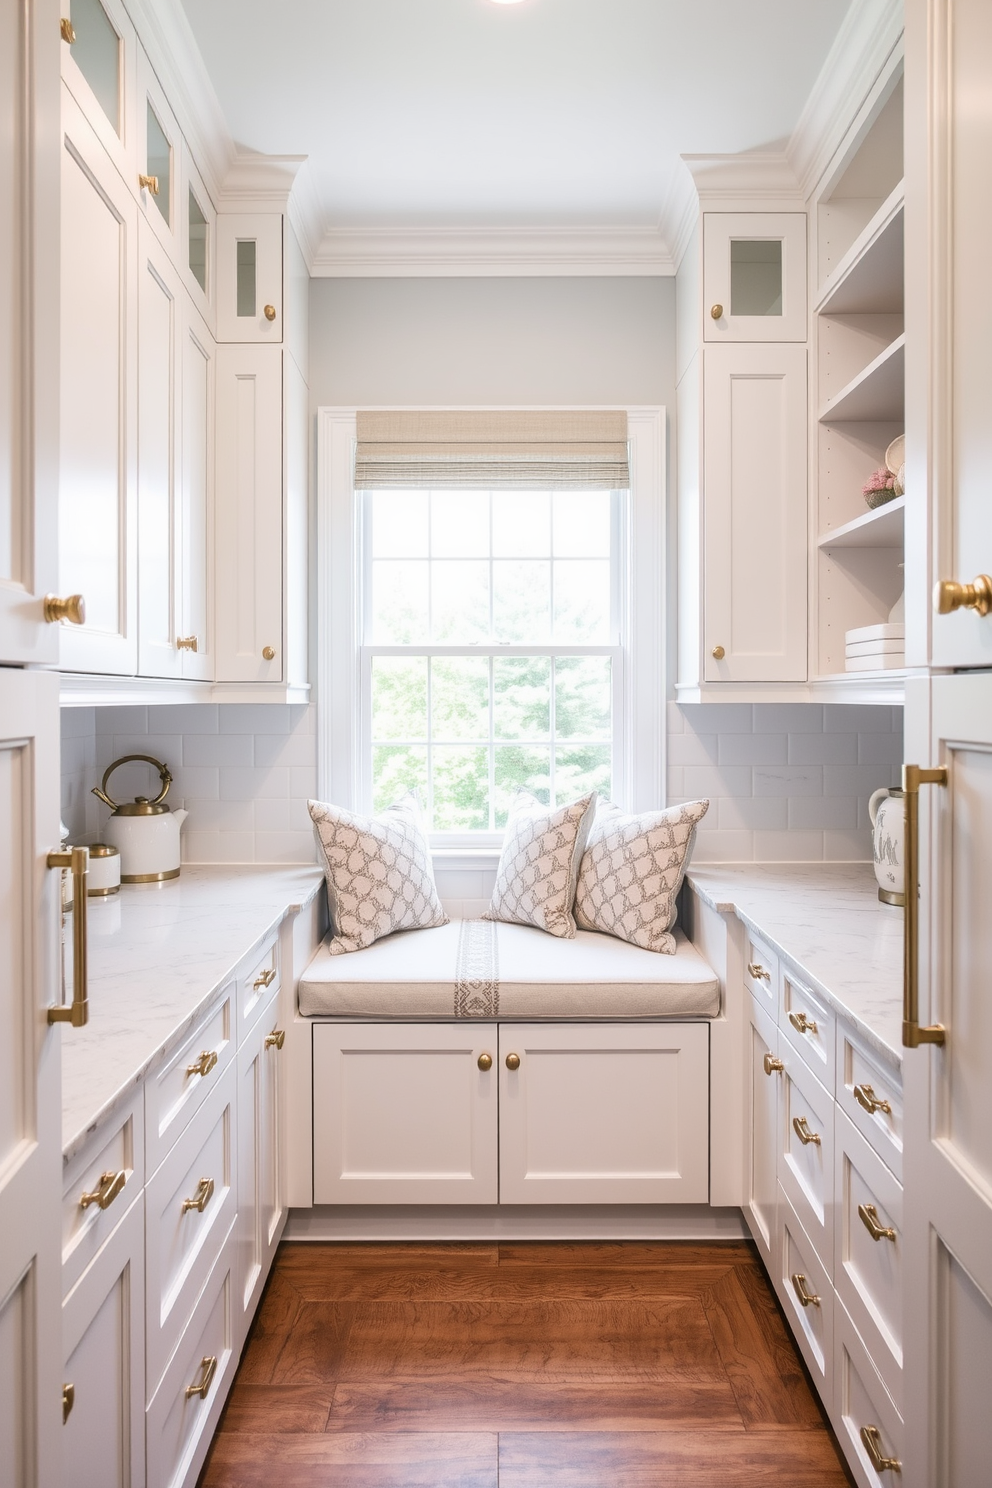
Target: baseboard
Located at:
point(515, 1222)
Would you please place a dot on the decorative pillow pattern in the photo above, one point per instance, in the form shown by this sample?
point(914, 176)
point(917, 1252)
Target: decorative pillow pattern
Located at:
point(539, 864)
point(378, 871)
point(632, 872)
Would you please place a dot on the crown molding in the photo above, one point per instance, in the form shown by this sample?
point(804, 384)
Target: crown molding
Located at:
point(305, 215)
point(260, 183)
point(751, 175)
point(491, 251)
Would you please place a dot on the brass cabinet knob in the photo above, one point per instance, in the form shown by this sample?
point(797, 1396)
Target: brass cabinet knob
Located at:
point(949, 596)
point(869, 1101)
point(485, 1062)
point(68, 33)
point(801, 1128)
point(275, 1039)
point(204, 1064)
point(716, 311)
point(806, 1297)
point(802, 1024)
point(718, 653)
point(268, 653)
point(186, 643)
point(68, 1391)
point(513, 1061)
point(270, 312)
point(208, 1368)
point(72, 608)
point(871, 1440)
point(106, 1191)
point(149, 183)
point(200, 1200)
point(772, 1065)
point(868, 1215)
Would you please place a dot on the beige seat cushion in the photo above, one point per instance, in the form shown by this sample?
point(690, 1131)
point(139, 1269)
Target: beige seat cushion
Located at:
point(482, 969)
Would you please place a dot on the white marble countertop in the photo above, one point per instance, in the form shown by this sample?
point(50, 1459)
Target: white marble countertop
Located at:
point(158, 954)
point(826, 922)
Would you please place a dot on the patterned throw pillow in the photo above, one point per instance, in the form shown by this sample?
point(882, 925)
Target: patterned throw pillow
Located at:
point(378, 871)
point(539, 864)
point(632, 872)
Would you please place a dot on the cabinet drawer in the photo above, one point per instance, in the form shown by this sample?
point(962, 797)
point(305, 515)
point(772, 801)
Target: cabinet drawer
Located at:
point(868, 1270)
point(178, 1089)
point(861, 1402)
point(183, 1238)
point(871, 1096)
point(806, 1167)
point(802, 1276)
point(761, 973)
point(178, 1425)
point(258, 985)
point(810, 1027)
point(99, 1185)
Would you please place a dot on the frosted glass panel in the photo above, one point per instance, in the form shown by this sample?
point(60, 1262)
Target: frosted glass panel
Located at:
point(756, 276)
point(197, 243)
point(246, 276)
point(96, 51)
point(159, 162)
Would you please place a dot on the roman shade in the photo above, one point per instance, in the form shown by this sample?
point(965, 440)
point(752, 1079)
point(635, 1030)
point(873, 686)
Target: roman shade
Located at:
point(519, 450)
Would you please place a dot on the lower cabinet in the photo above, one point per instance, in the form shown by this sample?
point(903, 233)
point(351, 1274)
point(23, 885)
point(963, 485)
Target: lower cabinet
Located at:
point(261, 1206)
point(762, 1084)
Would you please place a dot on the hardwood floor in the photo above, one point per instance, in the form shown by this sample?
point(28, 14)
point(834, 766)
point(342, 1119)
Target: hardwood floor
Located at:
point(522, 1366)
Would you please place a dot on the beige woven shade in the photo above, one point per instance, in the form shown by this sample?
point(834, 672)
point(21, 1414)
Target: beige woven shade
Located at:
point(519, 450)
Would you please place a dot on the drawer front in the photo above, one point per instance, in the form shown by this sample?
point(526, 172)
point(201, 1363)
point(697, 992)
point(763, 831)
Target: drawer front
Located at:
point(761, 1131)
point(806, 1167)
point(99, 1186)
point(868, 1251)
point(176, 1091)
point(871, 1096)
point(179, 1426)
point(810, 1026)
point(183, 1239)
point(801, 1278)
point(860, 1403)
point(258, 985)
point(761, 973)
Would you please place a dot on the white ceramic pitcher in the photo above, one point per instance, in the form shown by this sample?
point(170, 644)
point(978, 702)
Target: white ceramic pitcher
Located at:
point(888, 820)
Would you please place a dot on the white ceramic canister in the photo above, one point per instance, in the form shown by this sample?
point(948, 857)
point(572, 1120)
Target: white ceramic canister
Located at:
point(104, 875)
point(888, 819)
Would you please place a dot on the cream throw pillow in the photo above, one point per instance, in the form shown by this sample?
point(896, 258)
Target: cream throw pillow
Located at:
point(539, 864)
point(632, 872)
point(378, 871)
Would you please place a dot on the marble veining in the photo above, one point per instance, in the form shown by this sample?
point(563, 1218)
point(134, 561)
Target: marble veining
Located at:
point(158, 955)
point(826, 923)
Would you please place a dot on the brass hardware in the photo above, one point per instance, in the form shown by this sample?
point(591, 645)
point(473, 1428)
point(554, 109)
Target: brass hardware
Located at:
point(264, 979)
point(77, 1013)
point(801, 1128)
point(869, 1101)
point(275, 1039)
point(149, 877)
point(513, 1061)
point(268, 653)
point(186, 643)
point(868, 1215)
point(67, 32)
point(270, 312)
point(200, 1200)
point(888, 896)
point(949, 596)
point(716, 311)
point(754, 969)
point(718, 653)
point(105, 1192)
point(806, 1297)
point(149, 183)
point(912, 1034)
point(802, 1024)
point(68, 1391)
point(772, 1064)
point(204, 1064)
point(871, 1440)
point(485, 1062)
point(72, 608)
point(208, 1366)
point(140, 806)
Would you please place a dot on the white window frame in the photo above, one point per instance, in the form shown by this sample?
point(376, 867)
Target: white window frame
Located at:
point(639, 774)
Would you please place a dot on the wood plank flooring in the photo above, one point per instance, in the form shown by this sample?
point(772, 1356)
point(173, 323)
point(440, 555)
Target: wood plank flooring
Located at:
point(521, 1366)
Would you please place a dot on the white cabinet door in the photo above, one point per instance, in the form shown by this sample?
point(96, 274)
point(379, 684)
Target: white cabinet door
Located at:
point(98, 480)
point(754, 479)
point(948, 1105)
point(763, 1090)
point(98, 68)
point(249, 526)
point(404, 1114)
point(604, 1114)
point(198, 372)
point(261, 1209)
point(754, 276)
point(104, 1340)
point(249, 277)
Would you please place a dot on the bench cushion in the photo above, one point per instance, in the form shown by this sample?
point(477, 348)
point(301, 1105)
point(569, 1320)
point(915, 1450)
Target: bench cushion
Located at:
point(484, 969)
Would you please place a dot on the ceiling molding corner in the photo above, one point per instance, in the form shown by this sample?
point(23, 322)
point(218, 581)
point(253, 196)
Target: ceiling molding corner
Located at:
point(492, 252)
point(258, 183)
point(305, 214)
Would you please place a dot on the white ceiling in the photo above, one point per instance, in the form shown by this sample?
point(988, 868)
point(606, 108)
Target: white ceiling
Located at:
point(465, 115)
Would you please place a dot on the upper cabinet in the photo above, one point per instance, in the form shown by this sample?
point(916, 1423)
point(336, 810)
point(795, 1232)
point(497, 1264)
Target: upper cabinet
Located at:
point(754, 276)
point(99, 65)
point(249, 304)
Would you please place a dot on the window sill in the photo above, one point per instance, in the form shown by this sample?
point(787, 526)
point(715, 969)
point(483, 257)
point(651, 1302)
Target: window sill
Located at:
point(465, 858)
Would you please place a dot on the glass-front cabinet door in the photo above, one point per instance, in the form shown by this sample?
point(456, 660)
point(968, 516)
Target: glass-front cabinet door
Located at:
point(754, 276)
point(158, 165)
point(98, 67)
point(249, 277)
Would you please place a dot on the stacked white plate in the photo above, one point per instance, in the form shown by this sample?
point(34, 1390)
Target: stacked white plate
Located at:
point(875, 648)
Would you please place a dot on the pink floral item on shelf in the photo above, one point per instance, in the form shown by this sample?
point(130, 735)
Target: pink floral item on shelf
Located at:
point(879, 487)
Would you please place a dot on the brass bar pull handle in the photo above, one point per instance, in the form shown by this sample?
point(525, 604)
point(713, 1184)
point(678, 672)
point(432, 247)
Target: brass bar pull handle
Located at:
point(871, 1440)
point(756, 970)
point(204, 1064)
point(77, 1012)
point(868, 1215)
point(106, 1191)
point(200, 1200)
point(264, 979)
point(771, 1064)
point(801, 1128)
point(275, 1039)
point(949, 595)
point(513, 1061)
point(912, 1034)
point(208, 1368)
point(869, 1101)
point(802, 1024)
point(806, 1297)
point(68, 1401)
